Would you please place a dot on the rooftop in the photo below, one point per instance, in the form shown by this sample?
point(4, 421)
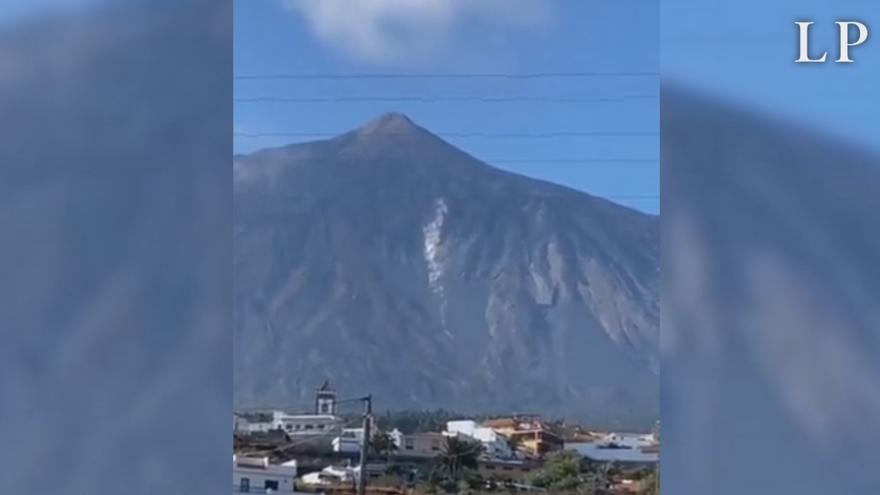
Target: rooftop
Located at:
point(327, 417)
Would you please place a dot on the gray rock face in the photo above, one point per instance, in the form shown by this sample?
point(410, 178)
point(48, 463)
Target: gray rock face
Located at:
point(391, 262)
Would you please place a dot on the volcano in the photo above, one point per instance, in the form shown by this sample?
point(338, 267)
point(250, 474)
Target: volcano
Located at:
point(391, 262)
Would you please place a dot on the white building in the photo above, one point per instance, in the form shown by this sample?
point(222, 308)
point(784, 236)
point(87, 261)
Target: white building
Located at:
point(349, 441)
point(325, 399)
point(323, 422)
point(422, 444)
point(256, 475)
point(332, 475)
point(627, 440)
point(306, 424)
point(623, 448)
point(340, 475)
point(497, 445)
point(243, 426)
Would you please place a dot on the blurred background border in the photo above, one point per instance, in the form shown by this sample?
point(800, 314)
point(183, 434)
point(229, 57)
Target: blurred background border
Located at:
point(115, 252)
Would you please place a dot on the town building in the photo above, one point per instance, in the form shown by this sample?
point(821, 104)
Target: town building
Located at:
point(257, 475)
point(349, 441)
point(496, 445)
point(340, 476)
point(325, 400)
point(517, 471)
point(621, 448)
point(536, 441)
point(303, 425)
point(322, 422)
point(425, 444)
point(529, 434)
point(245, 425)
point(332, 476)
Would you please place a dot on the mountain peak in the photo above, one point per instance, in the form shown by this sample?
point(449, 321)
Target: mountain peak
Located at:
point(390, 123)
point(478, 278)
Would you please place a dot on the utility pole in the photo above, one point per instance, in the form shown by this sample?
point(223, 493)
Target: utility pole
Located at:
point(365, 445)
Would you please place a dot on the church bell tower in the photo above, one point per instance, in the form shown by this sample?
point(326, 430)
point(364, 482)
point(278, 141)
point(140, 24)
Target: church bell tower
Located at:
point(325, 399)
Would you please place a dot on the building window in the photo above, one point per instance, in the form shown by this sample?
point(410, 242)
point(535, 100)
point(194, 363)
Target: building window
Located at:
point(245, 485)
point(310, 427)
point(271, 485)
point(320, 427)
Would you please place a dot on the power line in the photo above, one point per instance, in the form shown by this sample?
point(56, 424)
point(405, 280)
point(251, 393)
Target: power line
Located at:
point(450, 75)
point(441, 99)
point(571, 160)
point(616, 197)
point(466, 135)
point(628, 196)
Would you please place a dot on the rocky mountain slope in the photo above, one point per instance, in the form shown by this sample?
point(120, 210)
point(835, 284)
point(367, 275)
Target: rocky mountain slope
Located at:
point(391, 262)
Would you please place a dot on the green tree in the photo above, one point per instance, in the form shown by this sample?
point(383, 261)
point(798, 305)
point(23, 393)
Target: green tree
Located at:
point(382, 444)
point(458, 461)
point(561, 473)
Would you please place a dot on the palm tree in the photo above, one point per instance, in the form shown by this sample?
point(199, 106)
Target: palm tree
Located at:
point(457, 457)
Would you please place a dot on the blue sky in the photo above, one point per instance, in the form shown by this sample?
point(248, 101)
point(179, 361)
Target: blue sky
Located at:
point(745, 52)
point(22, 10)
point(467, 36)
